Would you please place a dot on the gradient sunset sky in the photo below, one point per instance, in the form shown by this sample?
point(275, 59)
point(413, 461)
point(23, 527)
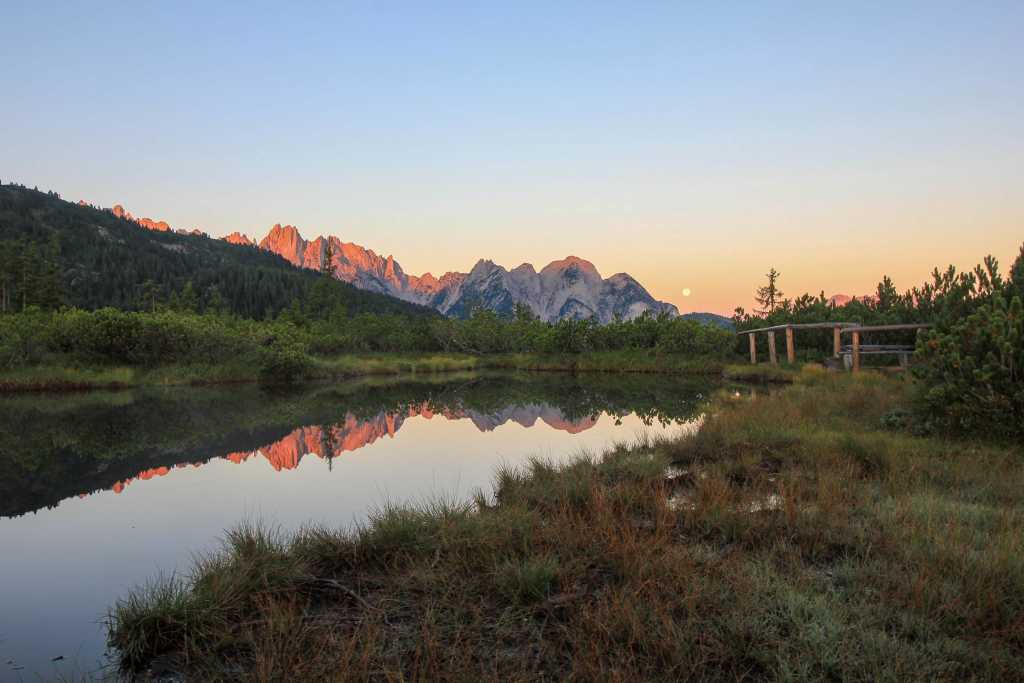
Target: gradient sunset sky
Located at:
point(692, 145)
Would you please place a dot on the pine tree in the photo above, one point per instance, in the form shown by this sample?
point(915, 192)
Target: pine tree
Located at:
point(150, 295)
point(886, 294)
point(29, 266)
point(8, 275)
point(327, 267)
point(214, 301)
point(50, 286)
point(1017, 272)
point(189, 300)
point(769, 297)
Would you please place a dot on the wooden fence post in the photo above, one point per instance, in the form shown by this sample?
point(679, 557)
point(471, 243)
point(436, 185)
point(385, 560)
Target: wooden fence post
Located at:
point(790, 347)
point(753, 349)
point(771, 349)
point(836, 345)
point(856, 351)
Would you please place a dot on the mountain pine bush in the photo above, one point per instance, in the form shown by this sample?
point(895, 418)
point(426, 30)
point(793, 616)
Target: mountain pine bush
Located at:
point(971, 368)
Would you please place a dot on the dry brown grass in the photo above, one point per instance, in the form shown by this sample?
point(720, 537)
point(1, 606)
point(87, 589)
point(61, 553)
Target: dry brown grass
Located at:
point(792, 538)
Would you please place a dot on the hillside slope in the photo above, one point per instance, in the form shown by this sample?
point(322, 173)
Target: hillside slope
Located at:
point(110, 260)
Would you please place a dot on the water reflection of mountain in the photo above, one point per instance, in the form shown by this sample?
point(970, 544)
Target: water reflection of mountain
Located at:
point(54, 448)
point(353, 433)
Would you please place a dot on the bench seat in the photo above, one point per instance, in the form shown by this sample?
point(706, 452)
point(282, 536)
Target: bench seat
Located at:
point(901, 350)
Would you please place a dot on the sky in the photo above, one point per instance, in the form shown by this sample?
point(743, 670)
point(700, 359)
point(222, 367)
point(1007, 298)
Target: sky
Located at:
point(692, 145)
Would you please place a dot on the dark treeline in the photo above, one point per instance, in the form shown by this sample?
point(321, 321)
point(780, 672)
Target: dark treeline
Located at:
point(54, 252)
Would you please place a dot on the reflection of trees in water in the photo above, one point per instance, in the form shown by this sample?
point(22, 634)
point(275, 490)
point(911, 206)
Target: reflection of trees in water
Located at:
point(54, 448)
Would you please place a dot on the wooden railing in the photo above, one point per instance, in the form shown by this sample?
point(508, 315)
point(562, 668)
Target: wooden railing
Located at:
point(838, 329)
point(790, 342)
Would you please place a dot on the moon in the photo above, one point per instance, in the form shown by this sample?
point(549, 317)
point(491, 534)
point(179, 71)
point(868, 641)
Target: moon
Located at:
point(686, 291)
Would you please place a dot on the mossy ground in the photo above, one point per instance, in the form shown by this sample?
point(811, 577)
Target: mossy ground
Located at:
point(792, 537)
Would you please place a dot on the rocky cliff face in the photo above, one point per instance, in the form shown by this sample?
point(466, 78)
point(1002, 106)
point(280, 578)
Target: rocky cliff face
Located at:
point(147, 223)
point(239, 238)
point(571, 288)
point(156, 226)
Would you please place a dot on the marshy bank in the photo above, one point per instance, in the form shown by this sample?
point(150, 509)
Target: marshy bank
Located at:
point(108, 348)
point(802, 535)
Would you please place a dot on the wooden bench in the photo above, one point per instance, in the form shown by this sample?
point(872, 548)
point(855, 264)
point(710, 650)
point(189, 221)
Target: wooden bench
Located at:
point(901, 350)
point(852, 357)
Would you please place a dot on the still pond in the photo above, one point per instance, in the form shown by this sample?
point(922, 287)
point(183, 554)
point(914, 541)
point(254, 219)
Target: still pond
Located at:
point(101, 491)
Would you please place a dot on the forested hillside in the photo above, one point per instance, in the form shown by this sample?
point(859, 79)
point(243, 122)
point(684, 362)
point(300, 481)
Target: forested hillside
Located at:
point(55, 252)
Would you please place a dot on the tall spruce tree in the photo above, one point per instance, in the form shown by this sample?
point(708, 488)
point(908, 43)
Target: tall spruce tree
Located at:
point(769, 297)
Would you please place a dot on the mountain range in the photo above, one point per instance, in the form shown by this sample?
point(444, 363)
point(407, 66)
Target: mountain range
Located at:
point(570, 288)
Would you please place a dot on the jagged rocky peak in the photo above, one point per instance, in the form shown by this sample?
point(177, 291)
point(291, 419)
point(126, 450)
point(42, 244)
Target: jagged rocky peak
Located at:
point(285, 241)
point(148, 223)
point(570, 263)
point(240, 238)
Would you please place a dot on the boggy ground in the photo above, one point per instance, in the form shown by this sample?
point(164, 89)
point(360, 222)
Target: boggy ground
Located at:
point(800, 535)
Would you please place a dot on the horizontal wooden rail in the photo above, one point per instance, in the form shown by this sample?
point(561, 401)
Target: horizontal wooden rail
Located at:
point(847, 351)
point(886, 328)
point(798, 326)
point(879, 347)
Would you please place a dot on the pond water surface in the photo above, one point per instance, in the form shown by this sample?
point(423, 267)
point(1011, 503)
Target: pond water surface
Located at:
point(101, 491)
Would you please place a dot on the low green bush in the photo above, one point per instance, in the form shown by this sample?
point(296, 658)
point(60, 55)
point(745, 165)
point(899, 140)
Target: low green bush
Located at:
point(283, 345)
point(283, 363)
point(972, 372)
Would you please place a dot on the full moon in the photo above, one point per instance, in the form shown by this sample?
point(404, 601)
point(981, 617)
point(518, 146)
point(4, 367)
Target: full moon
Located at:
point(686, 291)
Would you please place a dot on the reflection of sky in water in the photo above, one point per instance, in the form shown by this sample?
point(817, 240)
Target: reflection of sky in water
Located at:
point(61, 568)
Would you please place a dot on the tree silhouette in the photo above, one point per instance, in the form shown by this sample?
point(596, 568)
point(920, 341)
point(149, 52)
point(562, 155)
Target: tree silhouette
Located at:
point(769, 297)
point(327, 267)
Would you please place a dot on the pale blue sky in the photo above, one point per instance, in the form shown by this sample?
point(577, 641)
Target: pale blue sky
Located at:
point(692, 145)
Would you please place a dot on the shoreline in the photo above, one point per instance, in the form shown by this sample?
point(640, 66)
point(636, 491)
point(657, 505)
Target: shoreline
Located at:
point(75, 378)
